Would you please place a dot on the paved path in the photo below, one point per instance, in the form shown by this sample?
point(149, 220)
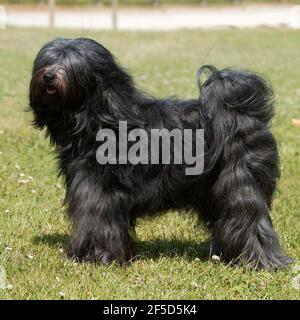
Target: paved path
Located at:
point(162, 18)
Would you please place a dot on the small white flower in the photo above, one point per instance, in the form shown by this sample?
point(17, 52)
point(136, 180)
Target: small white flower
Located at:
point(23, 181)
point(8, 249)
point(29, 256)
point(215, 258)
point(139, 280)
point(6, 211)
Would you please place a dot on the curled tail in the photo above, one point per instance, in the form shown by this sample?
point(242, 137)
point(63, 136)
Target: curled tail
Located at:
point(234, 102)
point(243, 92)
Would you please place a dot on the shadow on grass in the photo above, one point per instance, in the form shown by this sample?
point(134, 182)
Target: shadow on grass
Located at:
point(188, 249)
point(52, 240)
point(151, 249)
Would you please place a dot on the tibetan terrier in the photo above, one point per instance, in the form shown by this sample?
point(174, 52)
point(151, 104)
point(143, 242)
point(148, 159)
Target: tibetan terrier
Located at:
point(78, 89)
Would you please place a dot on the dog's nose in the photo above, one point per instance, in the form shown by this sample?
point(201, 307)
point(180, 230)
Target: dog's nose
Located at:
point(48, 77)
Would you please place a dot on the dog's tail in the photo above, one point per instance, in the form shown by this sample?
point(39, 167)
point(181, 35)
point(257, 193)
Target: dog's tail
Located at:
point(243, 92)
point(232, 102)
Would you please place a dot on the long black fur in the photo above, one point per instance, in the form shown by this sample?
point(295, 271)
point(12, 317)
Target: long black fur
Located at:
point(233, 195)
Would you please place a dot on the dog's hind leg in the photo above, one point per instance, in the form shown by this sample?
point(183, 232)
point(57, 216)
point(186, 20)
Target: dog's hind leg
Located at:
point(244, 231)
point(240, 105)
point(101, 228)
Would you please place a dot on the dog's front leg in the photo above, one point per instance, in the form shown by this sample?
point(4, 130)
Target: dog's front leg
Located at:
point(101, 227)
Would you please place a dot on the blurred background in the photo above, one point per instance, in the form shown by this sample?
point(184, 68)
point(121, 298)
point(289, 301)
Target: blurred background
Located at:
point(151, 14)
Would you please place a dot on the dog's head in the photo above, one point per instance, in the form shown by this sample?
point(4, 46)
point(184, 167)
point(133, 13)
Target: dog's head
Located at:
point(67, 75)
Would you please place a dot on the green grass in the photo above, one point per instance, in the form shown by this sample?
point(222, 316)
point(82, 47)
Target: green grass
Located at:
point(33, 228)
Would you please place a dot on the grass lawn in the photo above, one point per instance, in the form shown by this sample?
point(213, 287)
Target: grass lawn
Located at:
point(172, 264)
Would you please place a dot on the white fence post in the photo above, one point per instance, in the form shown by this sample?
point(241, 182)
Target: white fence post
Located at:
point(51, 13)
point(114, 14)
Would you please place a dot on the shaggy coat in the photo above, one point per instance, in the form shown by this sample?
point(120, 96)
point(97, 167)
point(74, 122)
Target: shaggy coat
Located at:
point(77, 88)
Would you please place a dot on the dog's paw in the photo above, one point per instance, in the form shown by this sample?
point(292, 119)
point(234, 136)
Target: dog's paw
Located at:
point(266, 263)
point(103, 258)
point(99, 257)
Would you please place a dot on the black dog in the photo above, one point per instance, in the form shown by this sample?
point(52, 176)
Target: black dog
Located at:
point(78, 88)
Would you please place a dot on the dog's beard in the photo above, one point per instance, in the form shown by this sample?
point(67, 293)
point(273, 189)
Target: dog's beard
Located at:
point(51, 102)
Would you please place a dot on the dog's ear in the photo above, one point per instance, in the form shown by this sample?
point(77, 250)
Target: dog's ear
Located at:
point(100, 107)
